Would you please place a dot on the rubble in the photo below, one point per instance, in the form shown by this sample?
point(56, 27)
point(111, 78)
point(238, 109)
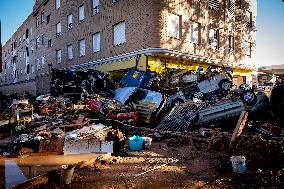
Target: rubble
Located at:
point(85, 114)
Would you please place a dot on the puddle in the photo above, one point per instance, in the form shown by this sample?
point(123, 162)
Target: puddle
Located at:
point(18, 170)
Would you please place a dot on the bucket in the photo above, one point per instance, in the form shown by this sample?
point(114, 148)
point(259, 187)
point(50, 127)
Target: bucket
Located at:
point(67, 175)
point(136, 143)
point(147, 141)
point(238, 164)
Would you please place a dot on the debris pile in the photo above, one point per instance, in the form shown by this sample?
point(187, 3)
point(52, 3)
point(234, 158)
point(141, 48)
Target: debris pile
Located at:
point(84, 113)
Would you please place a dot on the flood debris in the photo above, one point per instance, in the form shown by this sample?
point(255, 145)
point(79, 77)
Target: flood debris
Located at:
point(182, 114)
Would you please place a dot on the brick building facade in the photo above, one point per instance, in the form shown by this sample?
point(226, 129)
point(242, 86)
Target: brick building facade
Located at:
point(110, 35)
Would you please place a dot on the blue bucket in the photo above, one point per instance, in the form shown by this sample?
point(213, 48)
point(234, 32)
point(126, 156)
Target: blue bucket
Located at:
point(136, 143)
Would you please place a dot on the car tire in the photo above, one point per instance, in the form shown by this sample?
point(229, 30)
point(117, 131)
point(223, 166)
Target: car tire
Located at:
point(249, 98)
point(198, 95)
point(225, 85)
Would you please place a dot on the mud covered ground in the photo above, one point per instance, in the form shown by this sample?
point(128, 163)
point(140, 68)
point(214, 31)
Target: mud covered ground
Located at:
point(178, 162)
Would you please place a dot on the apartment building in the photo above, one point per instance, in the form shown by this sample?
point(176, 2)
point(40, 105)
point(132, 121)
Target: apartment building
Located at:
point(113, 35)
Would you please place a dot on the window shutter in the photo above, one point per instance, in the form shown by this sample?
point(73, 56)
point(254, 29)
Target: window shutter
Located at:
point(81, 13)
point(96, 42)
point(214, 4)
point(119, 33)
point(82, 47)
point(231, 7)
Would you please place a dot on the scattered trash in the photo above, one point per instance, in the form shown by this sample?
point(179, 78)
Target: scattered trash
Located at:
point(67, 174)
point(238, 164)
point(136, 143)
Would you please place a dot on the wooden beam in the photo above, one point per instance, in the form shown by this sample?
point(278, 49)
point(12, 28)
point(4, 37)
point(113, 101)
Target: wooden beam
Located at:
point(239, 128)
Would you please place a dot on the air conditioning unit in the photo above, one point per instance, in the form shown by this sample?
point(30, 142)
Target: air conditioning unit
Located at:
point(81, 21)
point(58, 34)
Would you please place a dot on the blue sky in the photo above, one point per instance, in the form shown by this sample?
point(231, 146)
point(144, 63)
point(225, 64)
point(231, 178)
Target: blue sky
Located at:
point(270, 26)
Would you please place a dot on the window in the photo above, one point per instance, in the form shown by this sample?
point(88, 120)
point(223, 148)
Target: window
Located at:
point(57, 4)
point(42, 17)
point(37, 21)
point(32, 69)
point(81, 13)
point(214, 4)
point(96, 42)
point(248, 19)
point(195, 33)
point(58, 56)
point(174, 26)
point(69, 22)
point(96, 7)
point(42, 62)
point(70, 52)
point(48, 19)
point(247, 49)
point(49, 68)
point(38, 64)
point(119, 33)
point(27, 51)
point(231, 7)
point(82, 47)
point(58, 29)
point(231, 44)
point(42, 39)
point(49, 44)
point(38, 42)
point(214, 38)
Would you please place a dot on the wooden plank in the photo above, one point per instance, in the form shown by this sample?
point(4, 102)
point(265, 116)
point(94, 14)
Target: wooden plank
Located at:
point(239, 128)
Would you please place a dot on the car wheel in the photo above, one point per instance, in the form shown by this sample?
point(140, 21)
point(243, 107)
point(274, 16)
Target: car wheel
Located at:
point(249, 98)
point(198, 95)
point(244, 87)
point(225, 85)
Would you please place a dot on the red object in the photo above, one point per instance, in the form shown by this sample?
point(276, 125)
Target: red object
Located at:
point(124, 116)
point(272, 129)
point(93, 104)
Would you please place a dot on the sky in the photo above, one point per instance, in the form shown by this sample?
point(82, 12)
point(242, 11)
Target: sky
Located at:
point(270, 27)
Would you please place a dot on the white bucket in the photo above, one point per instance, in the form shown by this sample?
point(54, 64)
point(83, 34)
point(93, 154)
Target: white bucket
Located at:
point(147, 141)
point(67, 175)
point(238, 164)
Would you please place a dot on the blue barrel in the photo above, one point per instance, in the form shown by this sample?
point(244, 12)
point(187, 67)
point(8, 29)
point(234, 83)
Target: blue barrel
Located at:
point(136, 143)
